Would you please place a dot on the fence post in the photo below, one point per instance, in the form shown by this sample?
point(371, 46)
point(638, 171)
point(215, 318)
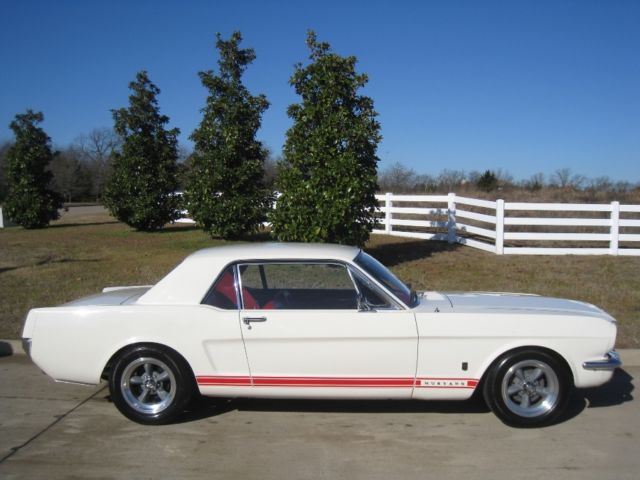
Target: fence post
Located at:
point(451, 221)
point(615, 228)
point(387, 213)
point(500, 227)
point(1, 219)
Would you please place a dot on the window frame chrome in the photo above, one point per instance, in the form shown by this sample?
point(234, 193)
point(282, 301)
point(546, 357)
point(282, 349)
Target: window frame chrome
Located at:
point(394, 303)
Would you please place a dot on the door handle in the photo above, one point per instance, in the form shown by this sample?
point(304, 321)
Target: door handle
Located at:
point(248, 320)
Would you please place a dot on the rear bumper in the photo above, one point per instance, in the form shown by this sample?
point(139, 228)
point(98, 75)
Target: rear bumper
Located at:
point(26, 346)
point(611, 361)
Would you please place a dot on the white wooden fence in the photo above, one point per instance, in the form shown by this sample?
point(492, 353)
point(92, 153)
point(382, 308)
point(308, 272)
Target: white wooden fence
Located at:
point(510, 227)
point(514, 227)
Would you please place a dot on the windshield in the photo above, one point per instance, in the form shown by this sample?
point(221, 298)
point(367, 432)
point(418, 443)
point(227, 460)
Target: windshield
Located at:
point(386, 278)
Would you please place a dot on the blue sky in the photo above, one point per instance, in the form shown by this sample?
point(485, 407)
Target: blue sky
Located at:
point(525, 86)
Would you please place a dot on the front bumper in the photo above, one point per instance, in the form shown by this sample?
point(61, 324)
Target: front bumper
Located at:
point(610, 362)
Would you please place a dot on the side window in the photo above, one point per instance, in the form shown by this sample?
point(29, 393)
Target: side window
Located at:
point(371, 295)
point(223, 292)
point(297, 286)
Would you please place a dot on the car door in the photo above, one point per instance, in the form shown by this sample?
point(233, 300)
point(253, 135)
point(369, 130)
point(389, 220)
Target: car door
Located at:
point(224, 370)
point(306, 337)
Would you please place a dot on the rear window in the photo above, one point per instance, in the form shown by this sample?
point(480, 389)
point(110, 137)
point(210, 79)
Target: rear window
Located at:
point(223, 293)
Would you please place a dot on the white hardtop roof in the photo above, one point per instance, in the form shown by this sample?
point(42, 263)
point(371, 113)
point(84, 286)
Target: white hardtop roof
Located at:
point(275, 250)
point(190, 281)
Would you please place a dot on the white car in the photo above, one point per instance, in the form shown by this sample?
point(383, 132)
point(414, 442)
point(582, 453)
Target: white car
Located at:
point(319, 321)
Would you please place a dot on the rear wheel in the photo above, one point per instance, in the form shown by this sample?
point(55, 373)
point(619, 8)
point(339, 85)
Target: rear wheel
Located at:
point(527, 388)
point(150, 384)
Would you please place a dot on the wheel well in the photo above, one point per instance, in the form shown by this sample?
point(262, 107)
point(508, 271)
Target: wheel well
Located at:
point(106, 372)
point(538, 348)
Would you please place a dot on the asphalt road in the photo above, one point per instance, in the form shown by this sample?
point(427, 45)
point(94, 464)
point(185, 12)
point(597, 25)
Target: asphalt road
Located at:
point(50, 430)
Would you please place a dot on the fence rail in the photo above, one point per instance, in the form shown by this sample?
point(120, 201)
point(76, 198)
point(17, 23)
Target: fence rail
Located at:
point(508, 228)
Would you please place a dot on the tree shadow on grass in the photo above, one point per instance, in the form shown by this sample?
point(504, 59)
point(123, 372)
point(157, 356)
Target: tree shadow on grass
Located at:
point(46, 261)
point(88, 224)
point(259, 237)
point(173, 228)
point(402, 251)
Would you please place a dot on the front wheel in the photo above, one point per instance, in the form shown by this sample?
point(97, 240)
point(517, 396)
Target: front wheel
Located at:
point(150, 384)
point(527, 388)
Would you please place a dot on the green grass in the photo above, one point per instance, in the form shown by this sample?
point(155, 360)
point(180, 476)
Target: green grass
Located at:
point(79, 255)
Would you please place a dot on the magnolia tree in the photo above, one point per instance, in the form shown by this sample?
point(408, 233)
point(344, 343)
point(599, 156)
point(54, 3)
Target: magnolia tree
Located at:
point(30, 201)
point(226, 195)
point(141, 188)
point(327, 178)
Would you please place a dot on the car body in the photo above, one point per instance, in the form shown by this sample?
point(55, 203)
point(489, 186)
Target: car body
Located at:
point(319, 321)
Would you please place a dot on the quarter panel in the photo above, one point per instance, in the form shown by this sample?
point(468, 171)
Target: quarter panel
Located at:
point(74, 344)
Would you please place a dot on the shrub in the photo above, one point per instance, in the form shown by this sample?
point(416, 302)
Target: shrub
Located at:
point(327, 179)
point(141, 188)
point(226, 195)
point(30, 202)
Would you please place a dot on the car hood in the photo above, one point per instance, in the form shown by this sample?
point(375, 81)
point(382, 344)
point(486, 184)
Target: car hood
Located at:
point(521, 302)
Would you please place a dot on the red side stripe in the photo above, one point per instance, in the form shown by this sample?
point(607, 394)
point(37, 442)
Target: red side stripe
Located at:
point(380, 382)
point(332, 382)
point(220, 380)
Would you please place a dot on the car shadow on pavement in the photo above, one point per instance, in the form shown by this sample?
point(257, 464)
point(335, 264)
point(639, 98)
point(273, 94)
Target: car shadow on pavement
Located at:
point(206, 407)
point(615, 392)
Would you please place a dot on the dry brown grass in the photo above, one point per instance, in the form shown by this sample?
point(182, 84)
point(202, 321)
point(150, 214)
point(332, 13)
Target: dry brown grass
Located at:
point(81, 254)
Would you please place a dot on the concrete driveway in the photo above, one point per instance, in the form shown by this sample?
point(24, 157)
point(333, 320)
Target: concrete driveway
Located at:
point(50, 430)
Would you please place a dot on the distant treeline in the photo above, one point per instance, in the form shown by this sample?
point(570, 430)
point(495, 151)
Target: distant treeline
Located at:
point(80, 171)
point(562, 185)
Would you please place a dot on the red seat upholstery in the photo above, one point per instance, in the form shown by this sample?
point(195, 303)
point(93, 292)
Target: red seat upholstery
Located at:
point(225, 287)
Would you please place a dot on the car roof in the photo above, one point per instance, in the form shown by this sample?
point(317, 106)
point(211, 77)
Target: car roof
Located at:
point(190, 281)
point(276, 250)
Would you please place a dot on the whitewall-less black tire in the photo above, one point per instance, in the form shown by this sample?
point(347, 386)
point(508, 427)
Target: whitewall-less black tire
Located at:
point(150, 384)
point(528, 388)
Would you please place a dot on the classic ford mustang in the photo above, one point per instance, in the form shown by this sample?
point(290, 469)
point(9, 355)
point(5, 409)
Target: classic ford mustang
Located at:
point(319, 321)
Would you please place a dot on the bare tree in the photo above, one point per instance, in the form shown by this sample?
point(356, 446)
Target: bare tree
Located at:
point(504, 177)
point(623, 186)
point(561, 177)
point(600, 184)
point(473, 176)
point(535, 183)
point(426, 183)
point(449, 180)
point(397, 178)
point(71, 176)
point(564, 178)
point(271, 169)
point(97, 148)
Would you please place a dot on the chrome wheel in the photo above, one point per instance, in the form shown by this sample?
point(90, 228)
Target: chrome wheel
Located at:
point(530, 388)
point(148, 385)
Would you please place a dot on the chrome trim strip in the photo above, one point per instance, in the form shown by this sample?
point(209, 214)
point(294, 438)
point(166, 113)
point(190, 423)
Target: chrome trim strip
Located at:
point(611, 362)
